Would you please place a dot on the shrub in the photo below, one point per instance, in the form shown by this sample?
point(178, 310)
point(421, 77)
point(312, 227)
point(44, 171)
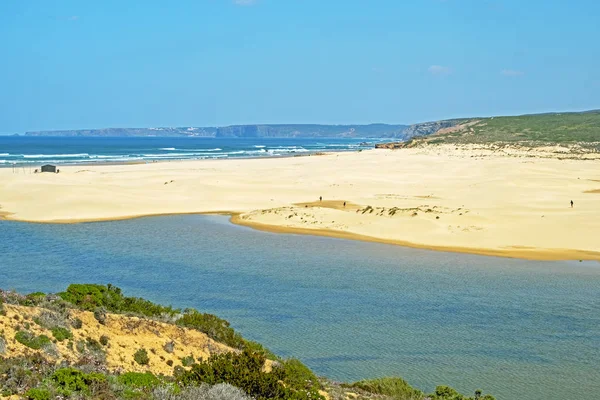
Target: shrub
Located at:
point(144, 380)
point(100, 315)
point(221, 391)
point(215, 327)
point(38, 394)
point(2, 310)
point(187, 361)
point(104, 340)
point(394, 387)
point(61, 334)
point(298, 375)
point(169, 347)
point(74, 380)
point(141, 357)
point(50, 319)
point(259, 348)
point(170, 363)
point(80, 346)
point(89, 297)
point(77, 323)
point(2, 344)
point(448, 393)
point(93, 345)
point(245, 371)
point(30, 340)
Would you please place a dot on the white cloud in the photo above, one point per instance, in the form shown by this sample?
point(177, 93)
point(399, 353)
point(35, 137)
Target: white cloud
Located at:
point(439, 70)
point(244, 2)
point(511, 72)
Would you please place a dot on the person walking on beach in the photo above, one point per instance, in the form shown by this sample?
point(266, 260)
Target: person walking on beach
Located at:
point(344, 204)
point(320, 198)
point(571, 203)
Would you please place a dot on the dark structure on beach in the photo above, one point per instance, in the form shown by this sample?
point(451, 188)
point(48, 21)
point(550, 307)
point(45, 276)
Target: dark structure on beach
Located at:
point(49, 168)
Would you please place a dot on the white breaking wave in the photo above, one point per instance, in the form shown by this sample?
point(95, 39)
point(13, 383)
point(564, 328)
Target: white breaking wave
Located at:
point(168, 148)
point(80, 155)
point(260, 146)
point(4, 154)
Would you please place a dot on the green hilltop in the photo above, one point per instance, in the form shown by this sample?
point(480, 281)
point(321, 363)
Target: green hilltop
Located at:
point(573, 128)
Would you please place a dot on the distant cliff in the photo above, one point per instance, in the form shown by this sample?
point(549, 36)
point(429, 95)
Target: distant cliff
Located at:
point(400, 132)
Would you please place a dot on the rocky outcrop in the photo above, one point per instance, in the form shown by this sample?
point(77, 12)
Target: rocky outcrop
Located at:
point(428, 128)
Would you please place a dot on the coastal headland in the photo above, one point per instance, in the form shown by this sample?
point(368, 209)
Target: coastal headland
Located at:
point(482, 199)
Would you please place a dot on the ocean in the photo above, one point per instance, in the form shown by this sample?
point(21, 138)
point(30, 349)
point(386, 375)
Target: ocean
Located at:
point(33, 151)
point(350, 310)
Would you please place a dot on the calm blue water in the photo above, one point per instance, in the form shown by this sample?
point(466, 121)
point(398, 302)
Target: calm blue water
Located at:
point(350, 310)
point(71, 150)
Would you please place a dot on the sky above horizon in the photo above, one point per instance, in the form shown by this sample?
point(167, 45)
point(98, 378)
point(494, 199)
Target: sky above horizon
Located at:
point(69, 64)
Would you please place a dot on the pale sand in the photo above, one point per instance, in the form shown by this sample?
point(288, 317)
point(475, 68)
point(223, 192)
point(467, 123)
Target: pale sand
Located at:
point(466, 200)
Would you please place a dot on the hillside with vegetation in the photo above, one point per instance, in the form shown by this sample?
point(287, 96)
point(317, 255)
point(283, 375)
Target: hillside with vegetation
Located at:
point(579, 131)
point(92, 342)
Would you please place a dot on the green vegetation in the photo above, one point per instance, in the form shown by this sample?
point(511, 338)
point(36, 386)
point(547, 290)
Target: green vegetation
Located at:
point(141, 357)
point(188, 361)
point(61, 333)
point(104, 340)
point(100, 299)
point(245, 371)
point(92, 297)
point(233, 376)
point(144, 380)
point(529, 130)
point(30, 340)
point(396, 388)
point(38, 394)
point(73, 380)
point(399, 389)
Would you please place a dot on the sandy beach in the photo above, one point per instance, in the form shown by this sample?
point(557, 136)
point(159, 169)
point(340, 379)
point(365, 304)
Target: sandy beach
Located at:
point(482, 201)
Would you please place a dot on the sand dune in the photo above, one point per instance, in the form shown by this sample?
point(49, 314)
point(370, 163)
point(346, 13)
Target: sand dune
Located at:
point(498, 202)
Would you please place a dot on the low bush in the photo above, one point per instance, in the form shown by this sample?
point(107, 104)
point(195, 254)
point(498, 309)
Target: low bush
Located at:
point(38, 394)
point(394, 387)
point(61, 333)
point(141, 357)
point(169, 347)
point(104, 340)
point(214, 327)
point(448, 393)
point(50, 319)
point(245, 371)
point(74, 380)
point(30, 340)
point(144, 380)
point(77, 323)
point(222, 391)
point(100, 315)
point(89, 297)
point(187, 361)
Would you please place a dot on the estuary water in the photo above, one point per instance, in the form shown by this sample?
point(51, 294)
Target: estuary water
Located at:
point(350, 310)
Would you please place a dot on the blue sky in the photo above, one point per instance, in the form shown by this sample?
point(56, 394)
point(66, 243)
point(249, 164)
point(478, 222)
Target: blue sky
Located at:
point(113, 63)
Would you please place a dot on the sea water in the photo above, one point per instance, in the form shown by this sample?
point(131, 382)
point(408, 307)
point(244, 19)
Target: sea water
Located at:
point(350, 310)
point(32, 151)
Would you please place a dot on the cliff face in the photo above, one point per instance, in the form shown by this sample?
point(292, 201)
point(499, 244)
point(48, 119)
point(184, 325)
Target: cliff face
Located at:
point(427, 128)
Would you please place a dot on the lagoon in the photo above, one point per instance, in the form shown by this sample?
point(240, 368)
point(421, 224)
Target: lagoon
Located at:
point(350, 310)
